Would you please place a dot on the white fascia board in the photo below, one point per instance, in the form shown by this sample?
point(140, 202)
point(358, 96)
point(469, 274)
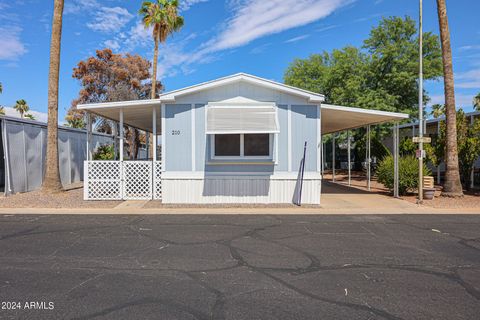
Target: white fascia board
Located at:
point(311, 96)
point(366, 111)
point(119, 104)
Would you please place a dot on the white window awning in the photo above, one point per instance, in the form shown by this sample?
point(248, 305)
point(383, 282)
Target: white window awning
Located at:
point(241, 119)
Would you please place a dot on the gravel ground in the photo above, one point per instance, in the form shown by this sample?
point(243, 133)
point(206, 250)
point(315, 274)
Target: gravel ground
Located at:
point(68, 199)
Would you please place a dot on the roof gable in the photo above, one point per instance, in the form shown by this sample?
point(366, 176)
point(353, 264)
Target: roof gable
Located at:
point(243, 77)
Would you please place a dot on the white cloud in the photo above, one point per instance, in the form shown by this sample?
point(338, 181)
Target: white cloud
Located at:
point(79, 6)
point(461, 100)
point(11, 47)
point(110, 19)
point(187, 4)
point(296, 39)
point(468, 80)
point(254, 19)
point(39, 116)
point(112, 44)
point(469, 47)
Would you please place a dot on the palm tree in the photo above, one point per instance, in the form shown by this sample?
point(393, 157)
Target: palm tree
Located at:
point(1, 87)
point(438, 110)
point(162, 16)
point(2, 111)
point(30, 116)
point(51, 181)
point(452, 186)
point(476, 102)
point(21, 106)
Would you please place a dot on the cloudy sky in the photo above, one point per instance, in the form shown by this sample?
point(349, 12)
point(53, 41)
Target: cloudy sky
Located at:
point(219, 38)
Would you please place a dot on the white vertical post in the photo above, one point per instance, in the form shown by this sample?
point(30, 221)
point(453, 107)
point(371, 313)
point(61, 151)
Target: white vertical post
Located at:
point(193, 136)
point(368, 158)
point(395, 160)
point(420, 106)
point(154, 133)
point(89, 136)
point(349, 160)
point(289, 137)
point(115, 135)
point(121, 135)
point(333, 157)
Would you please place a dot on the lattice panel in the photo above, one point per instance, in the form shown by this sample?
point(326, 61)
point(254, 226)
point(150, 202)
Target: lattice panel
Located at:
point(137, 180)
point(103, 180)
point(157, 180)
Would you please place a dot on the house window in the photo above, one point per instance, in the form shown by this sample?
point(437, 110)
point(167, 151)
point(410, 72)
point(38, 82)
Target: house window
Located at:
point(227, 145)
point(256, 144)
point(231, 146)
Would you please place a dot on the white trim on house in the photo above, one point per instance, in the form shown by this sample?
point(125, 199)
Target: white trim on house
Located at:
point(242, 155)
point(193, 132)
point(289, 137)
point(365, 111)
point(164, 135)
point(319, 138)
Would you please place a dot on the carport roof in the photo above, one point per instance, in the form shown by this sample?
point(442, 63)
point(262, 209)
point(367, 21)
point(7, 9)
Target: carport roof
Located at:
point(334, 118)
point(339, 118)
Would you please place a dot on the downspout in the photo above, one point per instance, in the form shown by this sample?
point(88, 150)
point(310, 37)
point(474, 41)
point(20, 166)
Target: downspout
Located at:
point(6, 157)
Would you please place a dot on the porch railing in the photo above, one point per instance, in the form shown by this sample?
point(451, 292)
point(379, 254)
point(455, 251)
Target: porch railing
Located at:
point(122, 180)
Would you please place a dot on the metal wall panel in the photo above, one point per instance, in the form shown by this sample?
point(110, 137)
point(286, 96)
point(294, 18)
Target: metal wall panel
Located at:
point(25, 150)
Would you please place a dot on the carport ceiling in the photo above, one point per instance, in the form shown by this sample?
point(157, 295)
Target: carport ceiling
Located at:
point(338, 118)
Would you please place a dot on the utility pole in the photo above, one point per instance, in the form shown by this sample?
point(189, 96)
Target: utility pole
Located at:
point(420, 106)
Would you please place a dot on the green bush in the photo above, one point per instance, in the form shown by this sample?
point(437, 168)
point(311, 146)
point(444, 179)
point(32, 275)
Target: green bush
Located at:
point(104, 152)
point(407, 173)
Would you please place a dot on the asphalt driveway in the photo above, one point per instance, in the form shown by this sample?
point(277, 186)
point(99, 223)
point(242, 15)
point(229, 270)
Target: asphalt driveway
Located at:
point(240, 267)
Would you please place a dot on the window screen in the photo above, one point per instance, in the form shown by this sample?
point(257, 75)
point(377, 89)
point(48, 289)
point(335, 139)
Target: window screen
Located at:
point(256, 144)
point(227, 145)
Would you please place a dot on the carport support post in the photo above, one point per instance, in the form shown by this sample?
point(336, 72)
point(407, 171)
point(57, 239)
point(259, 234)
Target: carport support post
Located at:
point(89, 136)
point(349, 161)
point(121, 135)
point(368, 158)
point(154, 133)
point(333, 157)
point(395, 160)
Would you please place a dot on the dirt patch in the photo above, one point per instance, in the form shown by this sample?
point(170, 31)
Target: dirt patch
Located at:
point(67, 199)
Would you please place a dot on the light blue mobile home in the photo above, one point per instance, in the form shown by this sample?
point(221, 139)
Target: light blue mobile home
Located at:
point(238, 139)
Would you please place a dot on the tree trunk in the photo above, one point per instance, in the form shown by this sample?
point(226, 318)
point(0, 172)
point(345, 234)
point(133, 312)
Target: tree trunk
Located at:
point(51, 181)
point(452, 186)
point(154, 73)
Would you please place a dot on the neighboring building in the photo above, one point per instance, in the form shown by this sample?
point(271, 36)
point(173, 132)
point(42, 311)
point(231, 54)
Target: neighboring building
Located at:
point(22, 153)
point(238, 139)
point(432, 128)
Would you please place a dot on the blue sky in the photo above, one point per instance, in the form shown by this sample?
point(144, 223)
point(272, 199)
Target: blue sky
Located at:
point(219, 38)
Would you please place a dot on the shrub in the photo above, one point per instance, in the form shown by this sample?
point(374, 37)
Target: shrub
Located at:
point(104, 152)
point(407, 173)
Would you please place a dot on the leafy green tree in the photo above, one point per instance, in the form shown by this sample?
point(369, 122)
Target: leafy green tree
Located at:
point(476, 102)
point(22, 107)
point(162, 16)
point(381, 75)
point(104, 152)
point(468, 141)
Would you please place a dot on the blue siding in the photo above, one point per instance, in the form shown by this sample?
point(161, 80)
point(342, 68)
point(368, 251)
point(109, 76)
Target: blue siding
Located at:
point(178, 147)
point(200, 137)
point(304, 128)
point(282, 144)
point(178, 154)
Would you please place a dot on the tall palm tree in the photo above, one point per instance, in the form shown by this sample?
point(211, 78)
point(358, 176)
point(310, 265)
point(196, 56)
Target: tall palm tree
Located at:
point(476, 102)
point(22, 107)
point(51, 181)
point(1, 87)
point(452, 186)
point(162, 16)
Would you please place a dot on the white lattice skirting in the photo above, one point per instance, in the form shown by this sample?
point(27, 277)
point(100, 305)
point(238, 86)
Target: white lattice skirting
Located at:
point(127, 180)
